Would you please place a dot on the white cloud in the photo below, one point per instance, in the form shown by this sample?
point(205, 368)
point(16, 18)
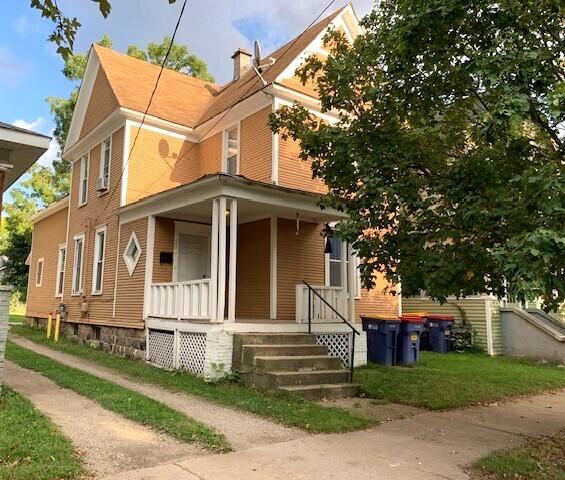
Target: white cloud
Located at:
point(34, 125)
point(21, 25)
point(52, 153)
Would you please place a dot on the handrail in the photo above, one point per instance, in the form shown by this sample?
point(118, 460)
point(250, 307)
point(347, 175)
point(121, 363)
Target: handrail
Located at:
point(355, 331)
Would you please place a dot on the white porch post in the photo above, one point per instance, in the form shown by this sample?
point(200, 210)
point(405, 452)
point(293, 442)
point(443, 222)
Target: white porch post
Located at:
point(221, 260)
point(149, 265)
point(351, 282)
point(273, 276)
point(343, 274)
point(233, 261)
point(214, 262)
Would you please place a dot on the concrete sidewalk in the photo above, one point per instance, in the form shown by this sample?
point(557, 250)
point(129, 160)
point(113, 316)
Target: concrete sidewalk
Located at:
point(430, 446)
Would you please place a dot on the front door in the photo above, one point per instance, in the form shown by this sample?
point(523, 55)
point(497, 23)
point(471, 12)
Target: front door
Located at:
point(193, 257)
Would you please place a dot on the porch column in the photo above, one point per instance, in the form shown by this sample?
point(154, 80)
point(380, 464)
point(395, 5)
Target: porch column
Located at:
point(233, 261)
point(343, 276)
point(150, 250)
point(214, 261)
point(351, 283)
point(221, 260)
point(273, 273)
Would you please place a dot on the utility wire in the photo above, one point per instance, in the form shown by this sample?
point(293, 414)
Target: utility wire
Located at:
point(213, 126)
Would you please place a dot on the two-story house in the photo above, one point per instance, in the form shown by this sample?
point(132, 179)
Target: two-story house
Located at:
point(195, 223)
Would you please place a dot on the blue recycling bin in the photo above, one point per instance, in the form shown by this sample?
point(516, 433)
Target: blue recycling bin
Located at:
point(381, 339)
point(408, 343)
point(439, 332)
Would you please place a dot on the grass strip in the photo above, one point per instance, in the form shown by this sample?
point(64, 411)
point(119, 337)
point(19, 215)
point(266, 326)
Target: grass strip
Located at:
point(31, 447)
point(539, 459)
point(281, 407)
point(453, 380)
point(16, 318)
point(127, 403)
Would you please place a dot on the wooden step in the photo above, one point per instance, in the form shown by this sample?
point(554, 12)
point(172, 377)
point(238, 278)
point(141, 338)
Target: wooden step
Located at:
point(297, 363)
point(316, 377)
point(329, 391)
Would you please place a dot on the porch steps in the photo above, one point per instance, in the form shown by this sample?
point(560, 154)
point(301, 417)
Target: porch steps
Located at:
point(291, 362)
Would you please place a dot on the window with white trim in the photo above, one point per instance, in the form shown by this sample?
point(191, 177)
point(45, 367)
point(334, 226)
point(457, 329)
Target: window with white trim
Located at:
point(132, 253)
point(231, 150)
point(77, 264)
point(61, 261)
point(83, 180)
point(105, 158)
point(39, 272)
point(99, 255)
point(333, 266)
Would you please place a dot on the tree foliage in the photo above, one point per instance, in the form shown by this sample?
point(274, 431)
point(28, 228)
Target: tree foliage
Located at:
point(448, 154)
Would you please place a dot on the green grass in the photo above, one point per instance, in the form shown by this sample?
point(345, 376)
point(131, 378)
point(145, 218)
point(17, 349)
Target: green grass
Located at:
point(16, 318)
point(283, 408)
point(540, 459)
point(127, 403)
point(443, 381)
point(31, 448)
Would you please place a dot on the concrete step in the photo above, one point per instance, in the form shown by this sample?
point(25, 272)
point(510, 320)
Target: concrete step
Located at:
point(249, 352)
point(329, 391)
point(318, 377)
point(297, 363)
point(275, 338)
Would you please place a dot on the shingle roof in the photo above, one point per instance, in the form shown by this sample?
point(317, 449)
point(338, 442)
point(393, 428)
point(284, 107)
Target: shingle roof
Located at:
point(186, 100)
point(8, 126)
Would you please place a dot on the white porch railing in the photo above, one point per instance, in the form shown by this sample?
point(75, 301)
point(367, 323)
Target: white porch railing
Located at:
point(321, 313)
point(181, 300)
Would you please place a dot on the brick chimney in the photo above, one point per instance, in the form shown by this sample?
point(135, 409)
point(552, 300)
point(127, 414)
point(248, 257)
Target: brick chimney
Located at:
point(241, 62)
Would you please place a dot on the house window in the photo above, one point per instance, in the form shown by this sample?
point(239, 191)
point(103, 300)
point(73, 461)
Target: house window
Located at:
point(132, 253)
point(77, 265)
point(333, 266)
point(39, 272)
point(105, 156)
point(61, 261)
point(231, 150)
point(99, 254)
point(83, 181)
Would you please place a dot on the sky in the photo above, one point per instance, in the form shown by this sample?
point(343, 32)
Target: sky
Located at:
point(30, 69)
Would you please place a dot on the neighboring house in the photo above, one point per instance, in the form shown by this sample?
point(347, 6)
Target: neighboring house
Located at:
point(200, 224)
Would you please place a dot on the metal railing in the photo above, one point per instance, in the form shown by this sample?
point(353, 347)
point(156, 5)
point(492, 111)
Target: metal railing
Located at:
point(354, 331)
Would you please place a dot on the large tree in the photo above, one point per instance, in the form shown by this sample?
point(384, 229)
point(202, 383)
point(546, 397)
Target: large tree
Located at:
point(449, 151)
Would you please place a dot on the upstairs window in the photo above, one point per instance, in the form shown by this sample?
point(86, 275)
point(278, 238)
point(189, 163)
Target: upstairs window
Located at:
point(105, 157)
point(83, 180)
point(231, 151)
point(132, 253)
point(39, 273)
point(99, 254)
point(61, 262)
point(77, 265)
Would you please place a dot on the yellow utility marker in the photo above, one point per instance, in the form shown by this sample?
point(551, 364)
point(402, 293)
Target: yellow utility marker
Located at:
point(49, 325)
point(57, 327)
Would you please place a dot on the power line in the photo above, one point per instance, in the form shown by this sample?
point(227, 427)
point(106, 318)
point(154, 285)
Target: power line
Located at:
point(146, 111)
point(215, 124)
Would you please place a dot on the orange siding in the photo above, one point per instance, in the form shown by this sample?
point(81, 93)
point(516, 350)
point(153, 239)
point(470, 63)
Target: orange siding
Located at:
point(295, 172)
point(377, 301)
point(256, 146)
point(99, 210)
point(102, 103)
point(300, 257)
point(164, 242)
point(210, 153)
point(129, 299)
point(48, 234)
point(253, 270)
point(159, 162)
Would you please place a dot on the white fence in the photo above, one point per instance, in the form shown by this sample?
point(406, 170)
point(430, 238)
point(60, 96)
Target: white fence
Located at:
point(320, 311)
point(181, 300)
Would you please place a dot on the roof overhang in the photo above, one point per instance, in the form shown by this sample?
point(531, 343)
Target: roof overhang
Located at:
point(23, 149)
point(50, 210)
point(275, 199)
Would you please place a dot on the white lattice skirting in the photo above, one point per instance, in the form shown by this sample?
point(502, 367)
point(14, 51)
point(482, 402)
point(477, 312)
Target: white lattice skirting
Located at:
point(178, 350)
point(339, 345)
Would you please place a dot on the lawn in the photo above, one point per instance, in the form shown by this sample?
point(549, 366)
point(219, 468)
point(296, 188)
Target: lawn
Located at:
point(31, 448)
point(16, 318)
point(539, 459)
point(443, 381)
point(283, 408)
point(127, 403)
